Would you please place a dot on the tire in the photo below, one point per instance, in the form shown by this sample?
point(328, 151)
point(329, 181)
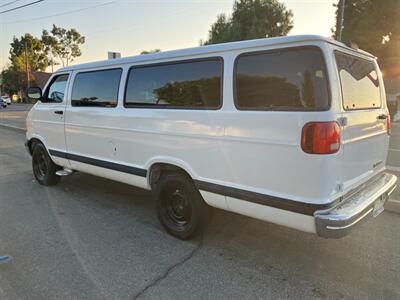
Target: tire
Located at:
point(180, 207)
point(43, 167)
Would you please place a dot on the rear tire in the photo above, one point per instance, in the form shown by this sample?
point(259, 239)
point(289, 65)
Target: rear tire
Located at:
point(43, 167)
point(180, 207)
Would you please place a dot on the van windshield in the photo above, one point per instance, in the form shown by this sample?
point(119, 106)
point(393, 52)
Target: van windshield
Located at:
point(360, 82)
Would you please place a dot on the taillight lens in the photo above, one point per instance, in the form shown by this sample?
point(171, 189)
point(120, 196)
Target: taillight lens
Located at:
point(388, 124)
point(321, 138)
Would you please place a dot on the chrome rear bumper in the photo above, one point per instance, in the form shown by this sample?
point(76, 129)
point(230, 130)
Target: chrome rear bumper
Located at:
point(355, 207)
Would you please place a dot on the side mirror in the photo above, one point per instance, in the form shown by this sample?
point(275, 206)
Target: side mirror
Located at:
point(35, 93)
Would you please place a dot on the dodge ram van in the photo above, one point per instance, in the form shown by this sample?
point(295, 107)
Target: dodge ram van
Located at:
point(290, 130)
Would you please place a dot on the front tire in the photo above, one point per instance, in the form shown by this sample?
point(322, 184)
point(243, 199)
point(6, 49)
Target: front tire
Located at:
point(43, 167)
point(180, 207)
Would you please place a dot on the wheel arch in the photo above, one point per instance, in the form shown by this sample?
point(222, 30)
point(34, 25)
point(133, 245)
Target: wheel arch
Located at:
point(159, 165)
point(33, 140)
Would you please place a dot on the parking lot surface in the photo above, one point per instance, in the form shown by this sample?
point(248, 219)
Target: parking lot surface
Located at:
point(14, 115)
point(90, 238)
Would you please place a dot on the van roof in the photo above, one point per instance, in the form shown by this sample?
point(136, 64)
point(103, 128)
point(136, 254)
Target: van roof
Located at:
point(211, 49)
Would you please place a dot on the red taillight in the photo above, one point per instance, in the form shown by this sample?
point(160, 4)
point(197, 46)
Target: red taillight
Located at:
point(388, 124)
point(321, 138)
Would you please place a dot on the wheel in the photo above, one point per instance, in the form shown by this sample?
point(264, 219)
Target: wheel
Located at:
point(43, 167)
point(180, 207)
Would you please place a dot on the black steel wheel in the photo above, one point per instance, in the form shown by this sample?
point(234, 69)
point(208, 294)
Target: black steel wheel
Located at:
point(180, 207)
point(43, 167)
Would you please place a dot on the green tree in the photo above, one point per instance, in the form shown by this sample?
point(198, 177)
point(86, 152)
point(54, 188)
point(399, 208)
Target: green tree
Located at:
point(375, 27)
point(62, 44)
point(27, 55)
point(28, 51)
point(150, 51)
point(251, 19)
point(12, 80)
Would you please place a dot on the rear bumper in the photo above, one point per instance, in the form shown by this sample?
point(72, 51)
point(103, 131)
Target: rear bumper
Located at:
point(355, 207)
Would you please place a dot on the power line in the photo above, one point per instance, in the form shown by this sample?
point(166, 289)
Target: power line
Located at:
point(59, 14)
point(21, 6)
point(9, 3)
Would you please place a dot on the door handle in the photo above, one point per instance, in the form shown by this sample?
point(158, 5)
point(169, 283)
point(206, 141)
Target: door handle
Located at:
point(59, 112)
point(382, 117)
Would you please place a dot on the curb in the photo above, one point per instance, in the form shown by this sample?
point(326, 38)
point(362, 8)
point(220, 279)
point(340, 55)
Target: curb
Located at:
point(16, 128)
point(393, 206)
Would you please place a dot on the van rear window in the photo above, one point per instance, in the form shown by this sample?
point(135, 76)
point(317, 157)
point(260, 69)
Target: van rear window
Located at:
point(360, 82)
point(284, 80)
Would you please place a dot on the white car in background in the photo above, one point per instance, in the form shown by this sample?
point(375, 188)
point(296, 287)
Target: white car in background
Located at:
point(6, 99)
point(3, 103)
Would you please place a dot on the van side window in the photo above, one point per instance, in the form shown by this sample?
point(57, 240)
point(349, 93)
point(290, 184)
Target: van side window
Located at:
point(96, 88)
point(56, 91)
point(283, 80)
point(190, 84)
point(360, 82)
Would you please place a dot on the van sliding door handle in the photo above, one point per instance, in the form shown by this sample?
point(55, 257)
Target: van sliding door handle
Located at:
point(59, 112)
point(382, 117)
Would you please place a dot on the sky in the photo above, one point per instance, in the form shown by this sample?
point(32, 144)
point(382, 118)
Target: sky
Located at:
point(131, 26)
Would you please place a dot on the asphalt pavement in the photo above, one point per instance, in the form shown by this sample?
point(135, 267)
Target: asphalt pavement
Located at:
point(14, 115)
point(91, 238)
point(394, 149)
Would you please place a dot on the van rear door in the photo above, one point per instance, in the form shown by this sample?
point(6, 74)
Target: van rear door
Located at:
point(365, 136)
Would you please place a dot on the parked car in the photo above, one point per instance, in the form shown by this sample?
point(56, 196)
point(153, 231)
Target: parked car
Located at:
point(277, 129)
point(3, 103)
point(7, 99)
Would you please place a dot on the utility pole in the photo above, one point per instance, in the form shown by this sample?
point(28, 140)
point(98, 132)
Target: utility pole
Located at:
point(340, 21)
point(27, 65)
point(52, 64)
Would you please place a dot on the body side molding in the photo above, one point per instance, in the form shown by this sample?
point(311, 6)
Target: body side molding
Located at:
point(263, 199)
point(254, 197)
point(101, 163)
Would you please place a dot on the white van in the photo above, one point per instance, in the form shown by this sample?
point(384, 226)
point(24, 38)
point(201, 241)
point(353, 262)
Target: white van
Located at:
point(290, 130)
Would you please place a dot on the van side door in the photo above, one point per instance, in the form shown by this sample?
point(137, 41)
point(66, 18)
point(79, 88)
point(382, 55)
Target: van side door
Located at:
point(48, 120)
point(90, 114)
